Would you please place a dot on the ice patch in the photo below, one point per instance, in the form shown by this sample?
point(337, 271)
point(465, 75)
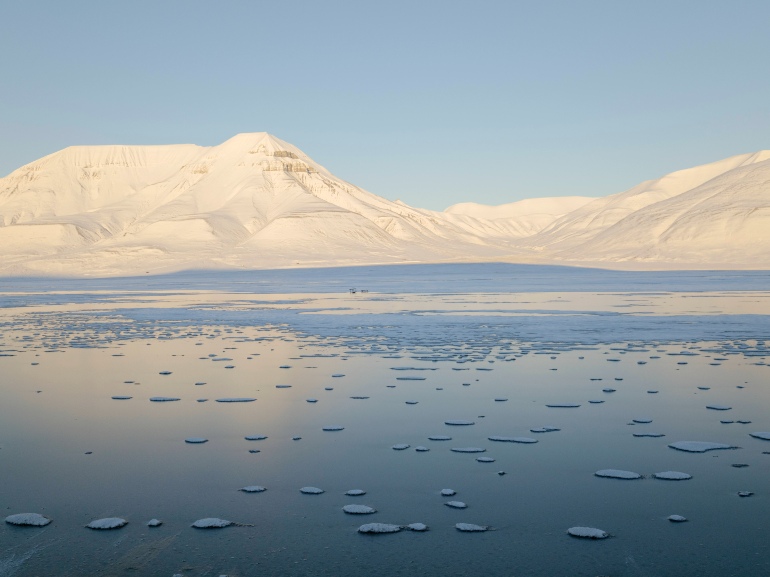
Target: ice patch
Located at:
point(28, 519)
point(121, 398)
point(459, 423)
point(485, 459)
point(439, 438)
point(448, 492)
point(562, 405)
point(642, 421)
point(333, 428)
point(163, 399)
point(211, 523)
point(358, 510)
point(467, 450)
point(421, 449)
point(617, 474)
point(375, 528)
point(311, 490)
point(236, 400)
point(587, 533)
point(699, 446)
point(513, 439)
point(196, 440)
point(400, 446)
point(355, 492)
point(107, 523)
point(718, 407)
point(456, 504)
point(545, 429)
point(154, 523)
point(471, 528)
point(253, 489)
point(311, 400)
point(420, 527)
point(677, 518)
point(649, 435)
point(672, 476)
point(255, 437)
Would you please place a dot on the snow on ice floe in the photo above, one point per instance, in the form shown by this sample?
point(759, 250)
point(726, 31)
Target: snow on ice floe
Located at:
point(236, 400)
point(459, 423)
point(439, 438)
point(211, 523)
point(400, 446)
point(107, 523)
point(121, 398)
point(545, 429)
point(375, 528)
point(448, 492)
point(677, 518)
point(196, 440)
point(358, 510)
point(311, 490)
point(163, 399)
point(471, 528)
point(587, 533)
point(649, 435)
point(718, 407)
point(617, 474)
point(255, 437)
point(420, 527)
point(525, 440)
point(699, 446)
point(355, 492)
point(333, 428)
point(672, 476)
point(28, 519)
point(456, 504)
point(253, 489)
point(467, 450)
point(562, 405)
point(765, 436)
point(154, 523)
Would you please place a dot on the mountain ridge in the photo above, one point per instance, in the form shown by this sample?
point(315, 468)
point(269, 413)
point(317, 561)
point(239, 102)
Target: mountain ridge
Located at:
point(256, 201)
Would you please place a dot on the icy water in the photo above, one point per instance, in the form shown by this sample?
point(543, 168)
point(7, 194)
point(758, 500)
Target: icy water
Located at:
point(491, 345)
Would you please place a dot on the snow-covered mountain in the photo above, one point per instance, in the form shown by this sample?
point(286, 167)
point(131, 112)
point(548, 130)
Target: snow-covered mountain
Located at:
point(255, 201)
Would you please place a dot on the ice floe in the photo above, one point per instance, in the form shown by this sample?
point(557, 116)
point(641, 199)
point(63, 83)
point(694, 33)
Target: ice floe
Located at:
point(375, 528)
point(121, 398)
point(236, 400)
point(649, 435)
point(107, 523)
point(154, 523)
point(355, 492)
point(311, 400)
point(485, 459)
point(545, 429)
point(255, 437)
point(421, 449)
point(439, 438)
point(333, 428)
point(672, 476)
point(253, 489)
point(28, 519)
point(211, 523)
point(677, 518)
point(525, 440)
point(745, 493)
point(196, 440)
point(562, 405)
point(718, 407)
point(448, 492)
point(456, 504)
point(420, 527)
point(457, 423)
point(358, 509)
point(587, 533)
point(699, 446)
point(311, 490)
point(163, 399)
point(764, 435)
point(617, 474)
point(400, 446)
point(467, 450)
point(471, 528)
point(642, 420)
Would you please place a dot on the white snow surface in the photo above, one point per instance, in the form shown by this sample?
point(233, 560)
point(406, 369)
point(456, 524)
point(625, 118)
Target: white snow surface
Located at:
point(255, 201)
point(28, 519)
point(107, 523)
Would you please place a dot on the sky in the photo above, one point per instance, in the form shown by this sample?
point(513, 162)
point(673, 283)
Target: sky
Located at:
point(429, 102)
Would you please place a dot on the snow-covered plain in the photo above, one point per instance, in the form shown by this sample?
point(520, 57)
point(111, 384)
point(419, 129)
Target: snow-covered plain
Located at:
point(256, 202)
point(536, 336)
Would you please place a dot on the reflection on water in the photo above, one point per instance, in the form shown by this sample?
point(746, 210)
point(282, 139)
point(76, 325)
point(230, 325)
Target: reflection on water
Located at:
point(391, 368)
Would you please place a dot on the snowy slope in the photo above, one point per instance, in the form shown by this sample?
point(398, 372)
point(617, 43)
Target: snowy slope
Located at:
point(255, 201)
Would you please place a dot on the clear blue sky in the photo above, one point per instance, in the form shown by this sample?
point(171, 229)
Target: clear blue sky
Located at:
point(431, 102)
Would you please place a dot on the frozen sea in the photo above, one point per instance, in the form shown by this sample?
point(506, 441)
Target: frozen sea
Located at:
point(619, 356)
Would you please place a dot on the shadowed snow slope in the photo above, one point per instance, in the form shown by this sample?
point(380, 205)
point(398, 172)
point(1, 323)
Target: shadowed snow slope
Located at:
point(255, 201)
